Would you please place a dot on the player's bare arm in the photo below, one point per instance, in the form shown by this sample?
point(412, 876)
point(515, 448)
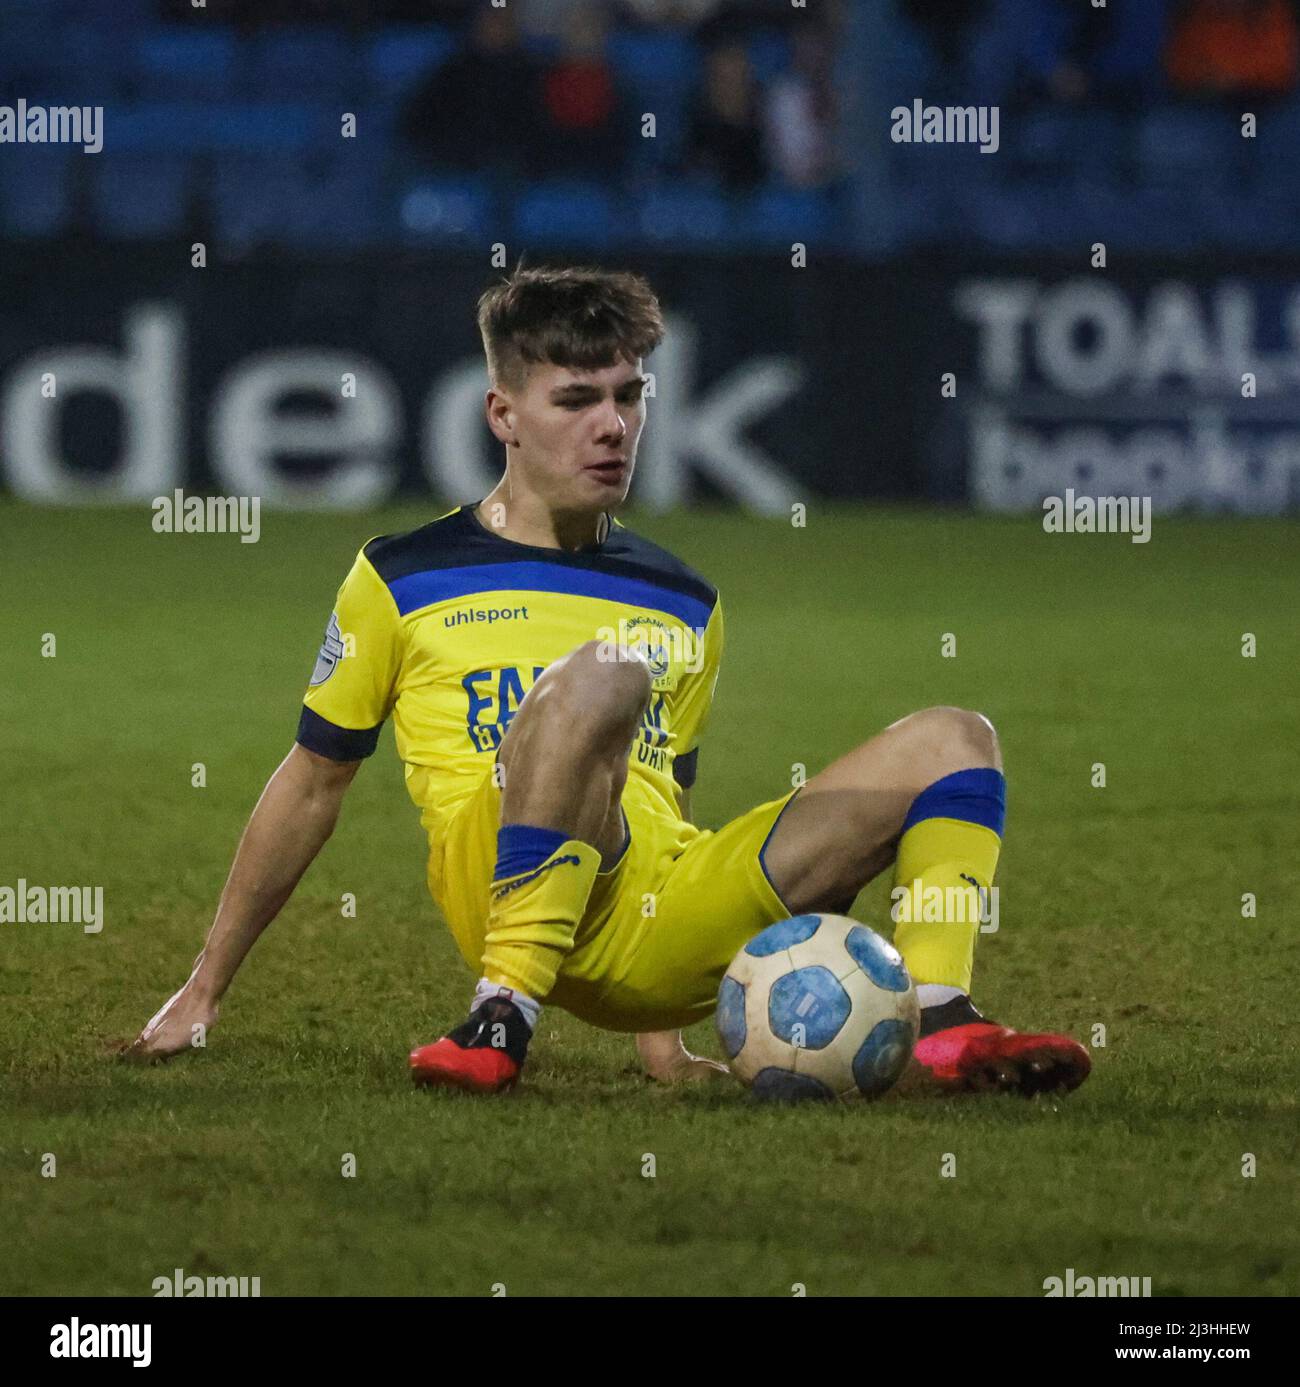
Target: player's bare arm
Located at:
point(289, 825)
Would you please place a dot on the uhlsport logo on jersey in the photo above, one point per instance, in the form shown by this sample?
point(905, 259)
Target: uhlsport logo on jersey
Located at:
point(469, 615)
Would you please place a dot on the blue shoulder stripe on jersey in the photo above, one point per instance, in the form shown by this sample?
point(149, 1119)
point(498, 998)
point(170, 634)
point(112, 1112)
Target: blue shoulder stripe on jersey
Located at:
point(325, 738)
point(423, 589)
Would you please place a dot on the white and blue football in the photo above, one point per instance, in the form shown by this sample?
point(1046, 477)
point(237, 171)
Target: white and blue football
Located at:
point(817, 1006)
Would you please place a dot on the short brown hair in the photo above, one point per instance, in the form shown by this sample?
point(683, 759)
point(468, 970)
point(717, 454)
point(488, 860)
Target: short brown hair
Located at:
point(585, 318)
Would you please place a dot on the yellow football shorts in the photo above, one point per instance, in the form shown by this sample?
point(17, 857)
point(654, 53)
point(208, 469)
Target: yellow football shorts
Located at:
point(661, 925)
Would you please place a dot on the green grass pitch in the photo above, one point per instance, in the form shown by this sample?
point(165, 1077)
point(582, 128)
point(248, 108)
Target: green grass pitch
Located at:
point(1120, 907)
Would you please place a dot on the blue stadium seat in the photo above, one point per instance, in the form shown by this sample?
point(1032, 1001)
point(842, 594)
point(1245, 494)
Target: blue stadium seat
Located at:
point(332, 202)
point(1056, 139)
point(679, 215)
point(660, 59)
point(924, 211)
point(36, 189)
point(1178, 142)
point(567, 213)
point(1045, 213)
point(376, 123)
point(1135, 52)
point(1266, 220)
point(658, 72)
point(60, 16)
point(1146, 220)
point(1032, 35)
point(671, 110)
point(399, 58)
point(906, 68)
point(80, 65)
point(305, 64)
point(954, 167)
point(337, 203)
point(179, 127)
point(993, 56)
point(248, 195)
point(777, 216)
point(1170, 220)
point(129, 13)
point(433, 210)
point(34, 12)
point(138, 195)
point(184, 60)
point(1276, 141)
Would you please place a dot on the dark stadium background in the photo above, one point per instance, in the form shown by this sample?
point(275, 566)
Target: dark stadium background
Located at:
point(913, 345)
point(822, 277)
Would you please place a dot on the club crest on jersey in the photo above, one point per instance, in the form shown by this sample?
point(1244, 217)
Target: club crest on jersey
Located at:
point(655, 643)
point(331, 652)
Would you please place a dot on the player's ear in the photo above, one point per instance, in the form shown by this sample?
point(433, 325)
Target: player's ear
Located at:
point(500, 416)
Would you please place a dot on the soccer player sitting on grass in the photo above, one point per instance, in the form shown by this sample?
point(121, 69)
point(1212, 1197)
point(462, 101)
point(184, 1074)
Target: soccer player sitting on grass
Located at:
point(549, 674)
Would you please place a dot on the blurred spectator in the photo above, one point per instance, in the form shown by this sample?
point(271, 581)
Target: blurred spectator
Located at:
point(725, 135)
point(665, 13)
point(353, 14)
point(1074, 54)
point(947, 26)
point(1071, 70)
point(800, 113)
point(733, 21)
point(1233, 47)
point(584, 127)
point(480, 108)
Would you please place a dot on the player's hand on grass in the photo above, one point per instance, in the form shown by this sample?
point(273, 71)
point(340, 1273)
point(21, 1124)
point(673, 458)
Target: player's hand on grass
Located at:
point(180, 1024)
point(668, 1061)
point(696, 1069)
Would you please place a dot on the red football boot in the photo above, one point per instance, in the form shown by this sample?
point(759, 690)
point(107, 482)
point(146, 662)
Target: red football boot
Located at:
point(483, 1055)
point(964, 1053)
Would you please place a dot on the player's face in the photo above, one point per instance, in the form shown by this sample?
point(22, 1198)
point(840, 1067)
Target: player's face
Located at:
point(578, 431)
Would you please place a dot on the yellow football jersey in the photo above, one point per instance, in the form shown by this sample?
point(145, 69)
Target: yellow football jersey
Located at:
point(447, 627)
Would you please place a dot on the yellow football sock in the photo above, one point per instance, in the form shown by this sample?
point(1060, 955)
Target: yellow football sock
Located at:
point(943, 874)
point(533, 916)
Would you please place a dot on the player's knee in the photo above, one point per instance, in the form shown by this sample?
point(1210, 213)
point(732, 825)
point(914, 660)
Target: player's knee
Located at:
point(957, 735)
point(594, 692)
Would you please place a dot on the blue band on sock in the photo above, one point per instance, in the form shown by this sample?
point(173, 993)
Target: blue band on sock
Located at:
point(521, 847)
point(974, 796)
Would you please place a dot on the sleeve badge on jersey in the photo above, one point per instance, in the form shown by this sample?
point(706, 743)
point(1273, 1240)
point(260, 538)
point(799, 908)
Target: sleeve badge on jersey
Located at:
point(331, 652)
